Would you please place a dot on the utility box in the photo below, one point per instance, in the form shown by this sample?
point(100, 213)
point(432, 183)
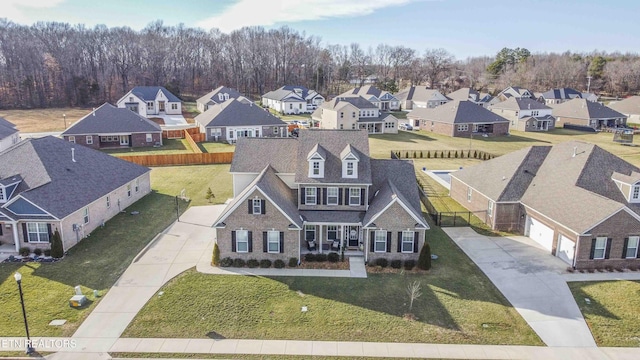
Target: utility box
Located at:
point(77, 301)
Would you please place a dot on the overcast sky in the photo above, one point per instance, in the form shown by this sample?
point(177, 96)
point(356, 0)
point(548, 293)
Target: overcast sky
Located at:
point(463, 27)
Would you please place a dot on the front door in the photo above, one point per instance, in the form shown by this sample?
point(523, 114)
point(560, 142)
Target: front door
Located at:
point(124, 140)
point(161, 106)
point(352, 234)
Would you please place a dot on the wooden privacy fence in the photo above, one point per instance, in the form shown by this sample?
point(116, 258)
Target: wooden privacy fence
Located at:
point(192, 143)
point(180, 159)
point(441, 154)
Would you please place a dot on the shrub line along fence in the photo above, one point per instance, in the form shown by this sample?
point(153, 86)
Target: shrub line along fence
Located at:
point(441, 154)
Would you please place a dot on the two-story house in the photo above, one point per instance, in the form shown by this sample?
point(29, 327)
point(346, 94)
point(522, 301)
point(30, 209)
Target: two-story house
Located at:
point(420, 97)
point(514, 91)
point(216, 96)
point(292, 100)
point(354, 112)
point(384, 100)
point(469, 94)
point(9, 134)
point(151, 100)
point(320, 192)
point(525, 114)
point(560, 95)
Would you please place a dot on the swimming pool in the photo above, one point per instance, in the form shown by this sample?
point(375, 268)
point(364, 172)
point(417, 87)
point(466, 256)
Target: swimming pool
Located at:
point(442, 177)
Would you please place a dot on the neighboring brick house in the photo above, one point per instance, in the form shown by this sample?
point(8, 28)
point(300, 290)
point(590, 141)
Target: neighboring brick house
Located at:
point(513, 91)
point(460, 119)
point(354, 112)
point(151, 100)
point(9, 134)
point(319, 193)
point(482, 99)
point(109, 127)
point(384, 100)
point(575, 199)
point(292, 100)
point(237, 118)
point(48, 184)
point(629, 107)
point(216, 96)
point(525, 114)
point(589, 114)
point(414, 97)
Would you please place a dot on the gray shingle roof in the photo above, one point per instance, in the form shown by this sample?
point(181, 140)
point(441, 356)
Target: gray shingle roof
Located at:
point(419, 93)
point(464, 94)
point(357, 101)
point(629, 106)
point(234, 112)
point(365, 90)
point(56, 183)
point(457, 112)
point(562, 94)
point(253, 154)
point(513, 103)
point(148, 93)
point(212, 96)
point(108, 119)
point(288, 91)
point(6, 128)
point(583, 109)
point(334, 141)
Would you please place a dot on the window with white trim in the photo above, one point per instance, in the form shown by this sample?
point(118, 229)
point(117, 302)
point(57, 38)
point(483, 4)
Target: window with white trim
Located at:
point(2, 197)
point(85, 217)
point(332, 196)
point(89, 140)
point(632, 247)
point(535, 113)
point(242, 241)
point(350, 168)
point(150, 105)
point(108, 201)
point(273, 241)
point(149, 137)
point(137, 185)
point(72, 139)
point(310, 196)
point(380, 241)
point(37, 232)
point(215, 132)
point(257, 206)
point(490, 208)
point(469, 192)
point(310, 232)
point(635, 193)
point(463, 127)
point(332, 232)
point(354, 196)
point(174, 106)
point(220, 97)
point(128, 190)
point(407, 241)
point(316, 168)
point(600, 248)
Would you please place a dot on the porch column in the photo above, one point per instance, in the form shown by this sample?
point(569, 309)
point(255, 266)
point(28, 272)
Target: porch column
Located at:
point(343, 237)
point(16, 238)
point(320, 238)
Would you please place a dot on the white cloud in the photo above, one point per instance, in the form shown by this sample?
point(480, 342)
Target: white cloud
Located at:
point(18, 10)
point(265, 13)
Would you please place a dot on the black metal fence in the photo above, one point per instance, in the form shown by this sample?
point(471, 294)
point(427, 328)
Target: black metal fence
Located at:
point(452, 218)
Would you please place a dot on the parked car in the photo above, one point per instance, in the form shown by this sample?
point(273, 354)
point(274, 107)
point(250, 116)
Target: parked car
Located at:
point(405, 126)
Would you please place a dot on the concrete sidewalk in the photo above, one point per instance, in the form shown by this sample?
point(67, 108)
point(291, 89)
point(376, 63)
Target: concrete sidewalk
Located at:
point(607, 276)
point(530, 278)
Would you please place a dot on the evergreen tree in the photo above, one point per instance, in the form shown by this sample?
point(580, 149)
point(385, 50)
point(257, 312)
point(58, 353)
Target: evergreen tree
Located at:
point(209, 195)
point(57, 251)
point(216, 255)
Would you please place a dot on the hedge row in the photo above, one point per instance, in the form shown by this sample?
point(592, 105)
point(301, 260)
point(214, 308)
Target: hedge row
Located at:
point(254, 263)
point(442, 154)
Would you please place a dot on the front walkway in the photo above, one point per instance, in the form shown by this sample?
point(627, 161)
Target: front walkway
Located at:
point(531, 279)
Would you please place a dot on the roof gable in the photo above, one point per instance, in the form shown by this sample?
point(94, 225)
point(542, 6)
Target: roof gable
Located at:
point(108, 119)
point(237, 112)
point(457, 112)
point(150, 93)
point(584, 109)
point(212, 96)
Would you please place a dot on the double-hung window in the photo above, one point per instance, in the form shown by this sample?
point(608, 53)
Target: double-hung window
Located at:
point(150, 105)
point(332, 196)
point(310, 196)
point(128, 190)
point(354, 196)
point(37, 232)
point(273, 241)
point(407, 241)
point(332, 232)
point(350, 168)
point(257, 206)
point(310, 232)
point(174, 106)
point(149, 137)
point(89, 140)
point(632, 247)
point(137, 185)
point(108, 201)
point(85, 217)
point(242, 241)
point(380, 241)
point(600, 248)
point(490, 208)
point(316, 168)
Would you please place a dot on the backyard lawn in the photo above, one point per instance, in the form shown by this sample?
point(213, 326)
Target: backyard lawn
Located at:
point(43, 120)
point(459, 305)
point(214, 147)
point(169, 146)
point(612, 315)
point(195, 179)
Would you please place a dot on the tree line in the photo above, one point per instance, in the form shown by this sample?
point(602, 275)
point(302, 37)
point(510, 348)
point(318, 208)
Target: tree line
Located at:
point(52, 64)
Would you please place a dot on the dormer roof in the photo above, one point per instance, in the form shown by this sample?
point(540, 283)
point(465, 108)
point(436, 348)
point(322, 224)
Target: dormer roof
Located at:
point(317, 150)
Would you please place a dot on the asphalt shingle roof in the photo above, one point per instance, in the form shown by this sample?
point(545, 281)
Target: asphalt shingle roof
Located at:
point(419, 93)
point(253, 154)
point(357, 101)
point(464, 94)
point(108, 119)
point(212, 96)
point(149, 93)
point(517, 104)
point(457, 112)
point(6, 128)
point(234, 112)
point(562, 94)
point(288, 91)
point(584, 109)
point(629, 106)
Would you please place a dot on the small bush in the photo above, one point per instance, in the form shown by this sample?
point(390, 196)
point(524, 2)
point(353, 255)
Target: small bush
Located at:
point(591, 271)
point(333, 257)
point(216, 255)
point(47, 252)
point(278, 264)
point(226, 262)
point(37, 251)
point(396, 263)
point(237, 262)
point(382, 262)
point(265, 263)
point(632, 268)
point(310, 257)
point(57, 250)
point(25, 251)
point(409, 264)
point(609, 268)
point(253, 263)
point(293, 262)
point(321, 257)
point(371, 264)
point(428, 154)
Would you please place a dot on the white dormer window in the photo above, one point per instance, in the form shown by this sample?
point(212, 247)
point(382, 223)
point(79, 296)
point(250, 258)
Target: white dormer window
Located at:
point(349, 165)
point(316, 166)
point(349, 168)
point(3, 198)
point(220, 97)
point(226, 96)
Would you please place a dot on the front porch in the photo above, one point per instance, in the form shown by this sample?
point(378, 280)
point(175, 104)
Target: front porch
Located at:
point(372, 128)
point(326, 238)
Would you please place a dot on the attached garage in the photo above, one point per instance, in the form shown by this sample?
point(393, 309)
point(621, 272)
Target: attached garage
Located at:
point(540, 233)
point(566, 249)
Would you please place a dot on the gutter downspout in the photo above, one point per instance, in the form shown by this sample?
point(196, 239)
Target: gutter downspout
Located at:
point(16, 238)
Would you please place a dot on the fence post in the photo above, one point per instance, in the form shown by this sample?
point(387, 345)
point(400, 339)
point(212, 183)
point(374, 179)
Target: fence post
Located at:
point(469, 218)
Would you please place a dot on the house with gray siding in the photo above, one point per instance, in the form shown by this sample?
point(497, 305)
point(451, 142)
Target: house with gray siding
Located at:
point(319, 193)
point(384, 100)
point(525, 114)
point(9, 134)
point(354, 112)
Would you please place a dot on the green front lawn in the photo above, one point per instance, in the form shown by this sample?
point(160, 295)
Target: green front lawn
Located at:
point(612, 315)
point(194, 179)
point(459, 305)
point(169, 146)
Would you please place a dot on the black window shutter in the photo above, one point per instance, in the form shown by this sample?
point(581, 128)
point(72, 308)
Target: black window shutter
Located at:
point(399, 241)
point(262, 207)
point(25, 236)
point(281, 242)
point(593, 248)
point(324, 196)
point(608, 249)
point(264, 241)
point(362, 196)
point(346, 196)
point(318, 196)
point(250, 203)
point(372, 241)
point(303, 195)
point(388, 241)
point(624, 248)
point(250, 240)
point(1, 226)
point(416, 238)
point(340, 197)
point(233, 241)
point(48, 231)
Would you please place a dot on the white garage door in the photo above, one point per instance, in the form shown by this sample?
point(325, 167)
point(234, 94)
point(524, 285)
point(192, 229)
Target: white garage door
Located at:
point(566, 249)
point(541, 233)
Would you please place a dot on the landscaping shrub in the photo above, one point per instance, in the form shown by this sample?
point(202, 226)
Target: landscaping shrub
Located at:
point(25, 251)
point(310, 257)
point(47, 252)
point(237, 262)
point(321, 257)
point(456, 154)
point(216, 255)
point(435, 154)
point(278, 264)
point(396, 263)
point(420, 154)
point(424, 261)
point(57, 250)
point(382, 262)
point(632, 268)
point(226, 262)
point(265, 263)
point(609, 268)
point(37, 251)
point(449, 154)
point(253, 263)
point(333, 257)
point(428, 154)
point(409, 264)
point(293, 262)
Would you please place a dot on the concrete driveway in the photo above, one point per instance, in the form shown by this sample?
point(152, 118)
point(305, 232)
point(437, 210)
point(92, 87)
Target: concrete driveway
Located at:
point(172, 120)
point(531, 279)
